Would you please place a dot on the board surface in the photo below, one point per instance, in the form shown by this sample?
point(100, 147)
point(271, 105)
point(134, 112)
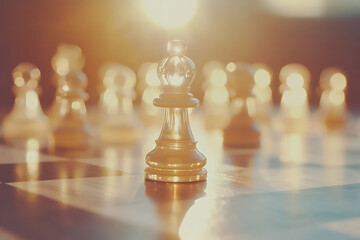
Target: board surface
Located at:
point(296, 186)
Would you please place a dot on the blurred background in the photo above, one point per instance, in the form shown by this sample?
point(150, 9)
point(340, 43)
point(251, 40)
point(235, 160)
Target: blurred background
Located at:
point(315, 33)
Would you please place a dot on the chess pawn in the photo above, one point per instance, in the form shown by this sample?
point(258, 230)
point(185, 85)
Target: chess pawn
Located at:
point(242, 131)
point(294, 107)
point(118, 122)
point(26, 120)
point(73, 134)
point(332, 107)
point(262, 93)
point(175, 157)
point(216, 98)
point(68, 58)
point(149, 86)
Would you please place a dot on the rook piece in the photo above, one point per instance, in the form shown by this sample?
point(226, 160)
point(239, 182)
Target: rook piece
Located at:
point(175, 157)
point(26, 119)
point(242, 131)
point(73, 134)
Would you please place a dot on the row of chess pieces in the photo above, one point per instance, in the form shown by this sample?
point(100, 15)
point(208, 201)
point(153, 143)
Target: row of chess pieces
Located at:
point(237, 96)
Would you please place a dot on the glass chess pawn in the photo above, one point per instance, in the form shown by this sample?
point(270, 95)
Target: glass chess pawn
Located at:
point(175, 157)
point(26, 120)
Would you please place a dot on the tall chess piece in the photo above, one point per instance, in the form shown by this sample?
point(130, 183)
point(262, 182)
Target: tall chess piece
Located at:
point(242, 131)
point(73, 135)
point(68, 58)
point(294, 106)
point(118, 122)
point(175, 157)
point(332, 106)
point(216, 104)
point(263, 93)
point(26, 120)
point(150, 88)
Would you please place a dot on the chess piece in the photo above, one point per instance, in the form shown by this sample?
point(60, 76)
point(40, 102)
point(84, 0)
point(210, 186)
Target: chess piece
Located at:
point(68, 58)
point(175, 157)
point(118, 122)
point(73, 134)
point(294, 107)
point(150, 88)
point(262, 93)
point(332, 107)
point(216, 98)
point(242, 131)
point(26, 120)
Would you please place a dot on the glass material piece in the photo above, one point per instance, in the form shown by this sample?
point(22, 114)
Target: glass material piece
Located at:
point(175, 157)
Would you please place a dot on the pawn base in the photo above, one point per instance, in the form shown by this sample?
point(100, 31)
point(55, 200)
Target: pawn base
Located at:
point(73, 141)
point(175, 161)
point(175, 175)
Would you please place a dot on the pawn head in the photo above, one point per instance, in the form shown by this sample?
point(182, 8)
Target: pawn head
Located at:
point(26, 75)
point(241, 81)
point(67, 58)
point(119, 77)
point(176, 71)
point(333, 78)
point(294, 76)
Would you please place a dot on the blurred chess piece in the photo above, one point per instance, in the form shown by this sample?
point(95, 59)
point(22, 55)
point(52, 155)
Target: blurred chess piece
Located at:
point(26, 120)
point(118, 122)
point(150, 88)
point(173, 201)
point(73, 135)
point(242, 131)
point(332, 107)
point(216, 104)
point(263, 93)
point(175, 157)
point(68, 58)
point(294, 107)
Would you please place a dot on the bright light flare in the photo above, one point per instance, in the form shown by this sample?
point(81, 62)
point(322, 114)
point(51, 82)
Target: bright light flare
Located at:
point(170, 13)
point(231, 67)
point(218, 78)
point(151, 77)
point(295, 81)
point(32, 101)
point(337, 97)
point(62, 66)
point(297, 8)
point(262, 78)
point(338, 81)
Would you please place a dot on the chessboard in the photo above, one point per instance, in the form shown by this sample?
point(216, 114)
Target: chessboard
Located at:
point(295, 186)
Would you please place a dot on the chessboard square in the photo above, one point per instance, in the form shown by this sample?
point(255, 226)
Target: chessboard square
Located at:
point(260, 215)
point(116, 197)
point(348, 226)
point(34, 171)
point(15, 155)
point(35, 217)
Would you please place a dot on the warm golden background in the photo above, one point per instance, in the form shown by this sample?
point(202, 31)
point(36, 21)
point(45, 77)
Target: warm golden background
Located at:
point(229, 30)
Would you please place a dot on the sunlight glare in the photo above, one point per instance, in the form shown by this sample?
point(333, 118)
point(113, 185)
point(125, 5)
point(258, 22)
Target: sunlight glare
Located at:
point(170, 13)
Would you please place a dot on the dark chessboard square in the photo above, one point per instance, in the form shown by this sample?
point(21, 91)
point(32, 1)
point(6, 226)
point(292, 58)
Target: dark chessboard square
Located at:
point(52, 170)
